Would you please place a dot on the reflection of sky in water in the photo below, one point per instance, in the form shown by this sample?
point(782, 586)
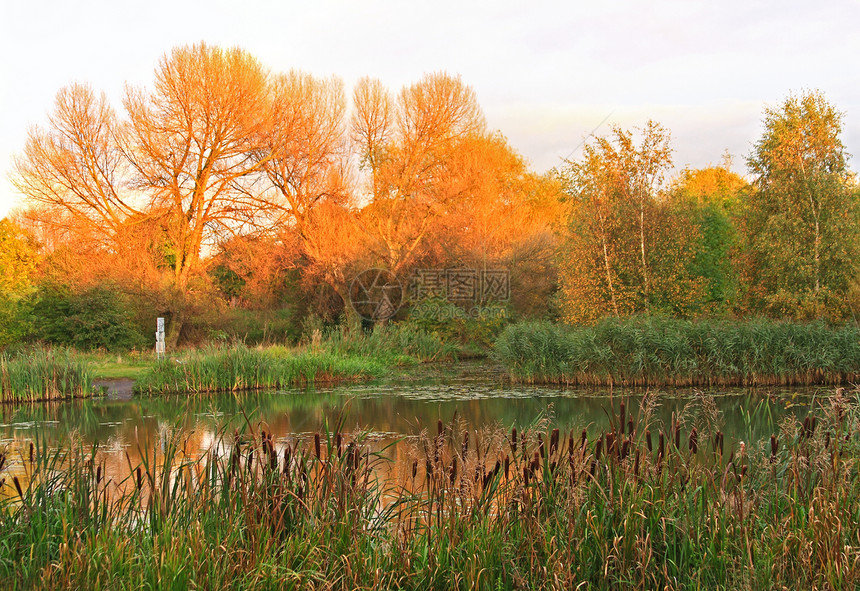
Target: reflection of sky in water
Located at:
point(394, 407)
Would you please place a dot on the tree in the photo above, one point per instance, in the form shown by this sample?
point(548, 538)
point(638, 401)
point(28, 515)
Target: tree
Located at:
point(709, 199)
point(626, 248)
point(184, 156)
point(800, 219)
point(406, 145)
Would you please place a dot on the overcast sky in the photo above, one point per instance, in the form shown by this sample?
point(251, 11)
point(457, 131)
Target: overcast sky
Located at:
point(546, 73)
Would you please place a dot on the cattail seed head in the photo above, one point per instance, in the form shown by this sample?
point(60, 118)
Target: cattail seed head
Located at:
point(773, 448)
point(17, 484)
point(621, 414)
point(514, 439)
point(648, 440)
point(694, 441)
point(414, 468)
point(338, 440)
point(507, 466)
point(32, 453)
point(317, 445)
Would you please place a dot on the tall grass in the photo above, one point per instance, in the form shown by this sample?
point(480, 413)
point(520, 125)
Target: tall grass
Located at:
point(397, 343)
point(242, 368)
point(629, 505)
point(43, 374)
point(660, 351)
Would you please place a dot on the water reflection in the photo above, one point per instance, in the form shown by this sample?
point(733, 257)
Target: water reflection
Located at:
point(394, 408)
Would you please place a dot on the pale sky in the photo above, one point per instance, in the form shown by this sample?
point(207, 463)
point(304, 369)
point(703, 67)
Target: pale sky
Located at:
point(546, 73)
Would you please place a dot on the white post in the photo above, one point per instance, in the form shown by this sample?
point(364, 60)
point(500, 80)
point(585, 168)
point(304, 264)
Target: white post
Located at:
point(159, 338)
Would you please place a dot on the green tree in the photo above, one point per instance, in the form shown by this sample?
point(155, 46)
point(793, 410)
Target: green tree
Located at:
point(800, 220)
point(627, 248)
point(19, 258)
point(709, 197)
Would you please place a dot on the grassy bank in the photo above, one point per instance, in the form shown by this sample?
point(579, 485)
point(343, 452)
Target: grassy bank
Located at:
point(36, 374)
point(334, 357)
point(43, 374)
point(631, 505)
point(241, 368)
point(658, 351)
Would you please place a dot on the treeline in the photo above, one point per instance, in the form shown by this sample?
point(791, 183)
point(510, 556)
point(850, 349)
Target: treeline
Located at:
point(240, 202)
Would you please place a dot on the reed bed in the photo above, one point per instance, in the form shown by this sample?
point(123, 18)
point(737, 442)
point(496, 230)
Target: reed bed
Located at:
point(653, 351)
point(43, 374)
point(241, 368)
point(627, 505)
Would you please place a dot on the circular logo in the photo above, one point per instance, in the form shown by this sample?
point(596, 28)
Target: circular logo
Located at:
point(375, 294)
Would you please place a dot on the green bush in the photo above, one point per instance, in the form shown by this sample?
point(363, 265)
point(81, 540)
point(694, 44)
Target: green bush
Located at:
point(96, 318)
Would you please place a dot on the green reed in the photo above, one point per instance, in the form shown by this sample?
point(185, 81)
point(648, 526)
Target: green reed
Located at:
point(43, 374)
point(660, 351)
point(241, 368)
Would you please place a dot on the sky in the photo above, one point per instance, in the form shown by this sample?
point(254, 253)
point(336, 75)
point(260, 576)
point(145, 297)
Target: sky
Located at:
point(546, 73)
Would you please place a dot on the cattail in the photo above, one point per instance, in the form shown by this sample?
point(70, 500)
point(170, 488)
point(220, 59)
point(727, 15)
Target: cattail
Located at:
point(2, 460)
point(414, 469)
point(428, 466)
point(553, 442)
point(598, 448)
point(139, 474)
point(32, 453)
point(610, 444)
point(694, 441)
point(622, 413)
point(273, 456)
point(718, 442)
point(648, 440)
point(17, 484)
point(773, 448)
point(317, 445)
point(625, 449)
point(465, 449)
point(287, 453)
point(98, 475)
point(661, 445)
point(514, 440)
point(507, 466)
point(583, 441)
point(525, 476)
point(808, 426)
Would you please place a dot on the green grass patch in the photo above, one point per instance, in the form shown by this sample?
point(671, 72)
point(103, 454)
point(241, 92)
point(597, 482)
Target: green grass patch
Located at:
point(650, 351)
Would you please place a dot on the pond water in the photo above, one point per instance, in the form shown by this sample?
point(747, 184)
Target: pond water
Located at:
point(470, 392)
